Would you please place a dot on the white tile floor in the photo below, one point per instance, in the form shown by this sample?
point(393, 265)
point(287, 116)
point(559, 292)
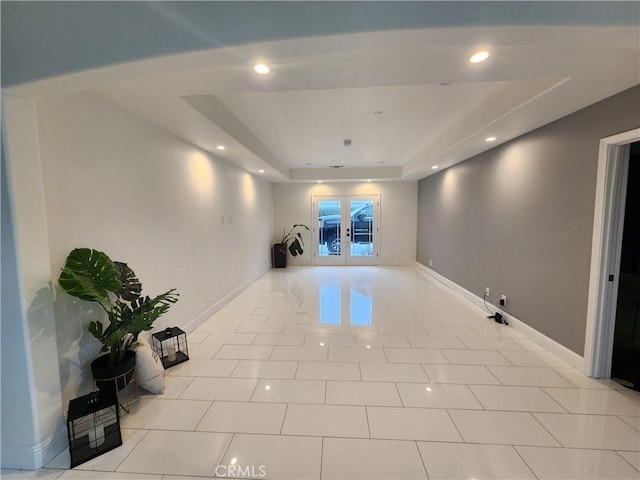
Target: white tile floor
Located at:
point(411, 382)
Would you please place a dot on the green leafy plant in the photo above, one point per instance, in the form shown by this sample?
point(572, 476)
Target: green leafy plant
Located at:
point(92, 276)
point(293, 240)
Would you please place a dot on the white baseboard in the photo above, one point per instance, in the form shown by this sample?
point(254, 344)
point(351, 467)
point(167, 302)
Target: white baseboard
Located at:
point(204, 316)
point(560, 351)
point(34, 457)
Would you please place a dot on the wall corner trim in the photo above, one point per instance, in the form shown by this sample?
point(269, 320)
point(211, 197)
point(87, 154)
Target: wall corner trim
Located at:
point(548, 344)
point(34, 457)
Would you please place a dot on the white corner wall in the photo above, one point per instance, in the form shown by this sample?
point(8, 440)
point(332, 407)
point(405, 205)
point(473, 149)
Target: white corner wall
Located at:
point(398, 215)
point(115, 183)
point(32, 423)
point(19, 431)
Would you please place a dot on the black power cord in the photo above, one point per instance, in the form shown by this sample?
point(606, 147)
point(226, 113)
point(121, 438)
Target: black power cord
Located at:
point(484, 299)
point(497, 316)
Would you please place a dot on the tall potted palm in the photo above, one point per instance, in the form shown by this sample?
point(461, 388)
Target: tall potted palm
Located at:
point(92, 276)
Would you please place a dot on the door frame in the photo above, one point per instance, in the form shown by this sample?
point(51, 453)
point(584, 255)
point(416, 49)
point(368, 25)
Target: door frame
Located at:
point(606, 248)
point(343, 259)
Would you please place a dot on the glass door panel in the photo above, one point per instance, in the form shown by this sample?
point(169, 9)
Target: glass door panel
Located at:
point(361, 229)
point(329, 231)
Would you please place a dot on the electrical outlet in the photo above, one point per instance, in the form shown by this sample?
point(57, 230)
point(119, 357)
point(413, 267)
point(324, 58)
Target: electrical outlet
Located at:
point(503, 300)
point(430, 263)
point(486, 291)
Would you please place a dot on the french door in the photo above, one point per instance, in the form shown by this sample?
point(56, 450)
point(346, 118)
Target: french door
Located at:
point(346, 229)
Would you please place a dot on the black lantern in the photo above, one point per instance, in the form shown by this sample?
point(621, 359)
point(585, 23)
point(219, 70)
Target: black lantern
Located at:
point(171, 346)
point(93, 426)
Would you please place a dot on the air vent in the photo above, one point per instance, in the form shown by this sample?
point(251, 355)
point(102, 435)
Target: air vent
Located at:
point(346, 143)
point(336, 166)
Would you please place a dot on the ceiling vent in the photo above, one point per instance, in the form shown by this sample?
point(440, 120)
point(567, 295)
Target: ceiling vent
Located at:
point(346, 143)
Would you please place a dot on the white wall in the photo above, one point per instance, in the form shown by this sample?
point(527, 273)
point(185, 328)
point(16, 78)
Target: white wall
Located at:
point(117, 184)
point(29, 324)
point(18, 418)
point(398, 215)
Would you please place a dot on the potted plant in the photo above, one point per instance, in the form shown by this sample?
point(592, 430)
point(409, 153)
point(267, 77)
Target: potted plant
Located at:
point(92, 276)
point(291, 241)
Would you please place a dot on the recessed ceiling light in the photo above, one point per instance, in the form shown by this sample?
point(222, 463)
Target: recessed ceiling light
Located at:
point(490, 139)
point(319, 181)
point(261, 68)
point(260, 171)
point(435, 167)
point(479, 57)
point(368, 180)
point(221, 147)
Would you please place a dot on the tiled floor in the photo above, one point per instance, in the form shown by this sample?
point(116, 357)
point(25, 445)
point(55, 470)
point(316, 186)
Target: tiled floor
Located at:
point(399, 380)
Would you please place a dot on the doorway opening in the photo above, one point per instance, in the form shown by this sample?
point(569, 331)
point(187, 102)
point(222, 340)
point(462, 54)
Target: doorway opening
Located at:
point(625, 365)
point(611, 188)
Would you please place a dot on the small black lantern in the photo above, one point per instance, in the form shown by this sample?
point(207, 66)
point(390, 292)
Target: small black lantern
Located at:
point(93, 426)
point(171, 346)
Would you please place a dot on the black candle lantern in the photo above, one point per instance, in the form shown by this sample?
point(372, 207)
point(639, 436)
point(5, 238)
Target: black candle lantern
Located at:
point(93, 426)
point(171, 346)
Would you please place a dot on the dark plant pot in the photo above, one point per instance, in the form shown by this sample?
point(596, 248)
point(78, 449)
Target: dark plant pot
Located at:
point(113, 377)
point(280, 255)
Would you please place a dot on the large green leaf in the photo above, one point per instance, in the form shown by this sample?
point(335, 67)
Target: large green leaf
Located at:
point(131, 286)
point(90, 275)
point(294, 240)
point(295, 248)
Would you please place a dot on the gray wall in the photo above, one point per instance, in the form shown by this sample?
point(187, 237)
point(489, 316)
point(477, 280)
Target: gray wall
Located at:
point(519, 218)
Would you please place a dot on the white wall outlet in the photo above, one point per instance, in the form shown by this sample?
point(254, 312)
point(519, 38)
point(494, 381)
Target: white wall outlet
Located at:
point(486, 291)
point(503, 300)
point(431, 263)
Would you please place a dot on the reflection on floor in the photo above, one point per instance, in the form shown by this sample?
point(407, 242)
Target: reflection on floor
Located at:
point(367, 372)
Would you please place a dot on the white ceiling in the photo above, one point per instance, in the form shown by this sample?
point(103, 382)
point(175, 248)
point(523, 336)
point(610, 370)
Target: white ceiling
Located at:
point(437, 108)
